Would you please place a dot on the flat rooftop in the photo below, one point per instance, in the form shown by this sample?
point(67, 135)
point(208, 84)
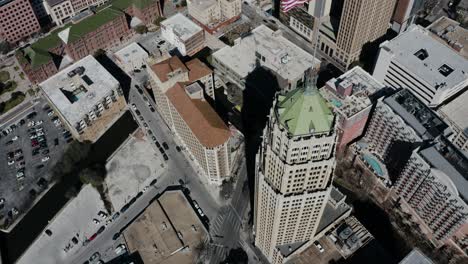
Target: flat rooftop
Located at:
point(167, 232)
point(416, 114)
point(202, 4)
point(456, 111)
point(75, 94)
point(130, 53)
point(277, 53)
point(183, 27)
point(363, 85)
point(450, 33)
point(451, 175)
point(430, 60)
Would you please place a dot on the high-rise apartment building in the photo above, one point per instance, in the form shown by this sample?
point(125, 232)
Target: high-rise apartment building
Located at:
point(17, 20)
point(454, 113)
point(294, 171)
point(435, 189)
point(416, 61)
point(180, 101)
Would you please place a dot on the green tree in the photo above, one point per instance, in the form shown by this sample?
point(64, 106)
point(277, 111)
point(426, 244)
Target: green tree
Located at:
point(5, 47)
point(93, 175)
point(158, 20)
point(71, 159)
point(141, 29)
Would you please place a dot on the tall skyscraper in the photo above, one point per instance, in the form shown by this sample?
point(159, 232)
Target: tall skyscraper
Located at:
point(295, 163)
point(347, 25)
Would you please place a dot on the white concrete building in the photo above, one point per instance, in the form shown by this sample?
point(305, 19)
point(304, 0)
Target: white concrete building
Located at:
point(61, 11)
point(267, 48)
point(86, 97)
point(184, 34)
point(415, 61)
point(295, 165)
point(131, 57)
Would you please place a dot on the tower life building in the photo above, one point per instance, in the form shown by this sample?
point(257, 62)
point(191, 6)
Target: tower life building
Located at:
point(294, 171)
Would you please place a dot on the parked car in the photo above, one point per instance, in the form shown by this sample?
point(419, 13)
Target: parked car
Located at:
point(95, 256)
point(319, 247)
point(120, 249)
point(46, 158)
point(165, 145)
point(178, 148)
point(165, 157)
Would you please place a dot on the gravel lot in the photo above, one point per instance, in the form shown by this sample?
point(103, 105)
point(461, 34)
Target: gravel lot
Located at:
point(20, 192)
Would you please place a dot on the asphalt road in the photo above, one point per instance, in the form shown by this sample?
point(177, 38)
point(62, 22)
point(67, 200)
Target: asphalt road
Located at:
point(225, 229)
point(178, 168)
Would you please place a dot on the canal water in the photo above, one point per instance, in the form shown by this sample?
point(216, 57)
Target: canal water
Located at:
point(13, 244)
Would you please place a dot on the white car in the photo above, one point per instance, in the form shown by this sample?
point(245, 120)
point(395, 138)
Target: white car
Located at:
point(319, 247)
point(38, 122)
point(96, 221)
point(11, 162)
point(200, 212)
point(30, 124)
point(46, 158)
point(120, 249)
point(51, 113)
point(134, 107)
point(19, 174)
point(15, 138)
point(40, 133)
point(144, 189)
point(196, 204)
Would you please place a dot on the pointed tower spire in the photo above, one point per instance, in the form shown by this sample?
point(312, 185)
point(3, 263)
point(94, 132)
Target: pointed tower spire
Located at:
point(310, 83)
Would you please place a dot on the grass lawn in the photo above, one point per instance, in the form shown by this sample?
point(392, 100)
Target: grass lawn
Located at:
point(9, 86)
point(12, 102)
point(4, 76)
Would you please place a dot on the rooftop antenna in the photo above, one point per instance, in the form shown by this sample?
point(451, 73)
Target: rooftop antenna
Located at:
point(310, 82)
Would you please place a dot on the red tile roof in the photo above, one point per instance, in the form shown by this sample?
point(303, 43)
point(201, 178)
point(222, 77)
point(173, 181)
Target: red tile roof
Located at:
point(163, 68)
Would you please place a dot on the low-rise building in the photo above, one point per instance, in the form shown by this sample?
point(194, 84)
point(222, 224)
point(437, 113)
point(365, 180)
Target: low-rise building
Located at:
point(302, 22)
point(45, 57)
point(416, 257)
point(450, 33)
point(213, 14)
point(416, 61)
point(17, 20)
point(349, 96)
point(184, 34)
point(180, 100)
point(267, 48)
point(86, 97)
point(167, 232)
point(131, 57)
point(454, 113)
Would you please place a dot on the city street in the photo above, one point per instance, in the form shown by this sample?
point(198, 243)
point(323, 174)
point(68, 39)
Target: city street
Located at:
point(178, 168)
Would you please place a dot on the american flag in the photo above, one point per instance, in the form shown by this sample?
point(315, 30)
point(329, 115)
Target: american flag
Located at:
point(287, 5)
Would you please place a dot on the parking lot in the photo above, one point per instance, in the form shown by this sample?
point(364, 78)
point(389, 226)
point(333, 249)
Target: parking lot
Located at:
point(29, 146)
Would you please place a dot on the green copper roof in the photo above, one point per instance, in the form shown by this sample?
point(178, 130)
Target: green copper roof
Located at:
point(304, 111)
point(140, 4)
point(91, 23)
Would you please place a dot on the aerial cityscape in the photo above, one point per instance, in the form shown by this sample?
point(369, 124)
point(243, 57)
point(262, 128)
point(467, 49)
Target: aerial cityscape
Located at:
point(233, 131)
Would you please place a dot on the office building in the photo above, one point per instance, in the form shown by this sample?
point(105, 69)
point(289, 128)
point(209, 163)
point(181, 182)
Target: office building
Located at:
point(131, 57)
point(401, 117)
point(184, 34)
point(346, 26)
point(455, 114)
point(349, 95)
point(86, 98)
point(267, 48)
point(416, 61)
point(167, 232)
point(294, 171)
point(61, 11)
point(180, 101)
point(213, 14)
point(17, 20)
point(434, 186)
point(416, 256)
point(451, 34)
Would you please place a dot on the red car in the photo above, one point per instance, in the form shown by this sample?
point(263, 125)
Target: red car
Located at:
point(92, 237)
